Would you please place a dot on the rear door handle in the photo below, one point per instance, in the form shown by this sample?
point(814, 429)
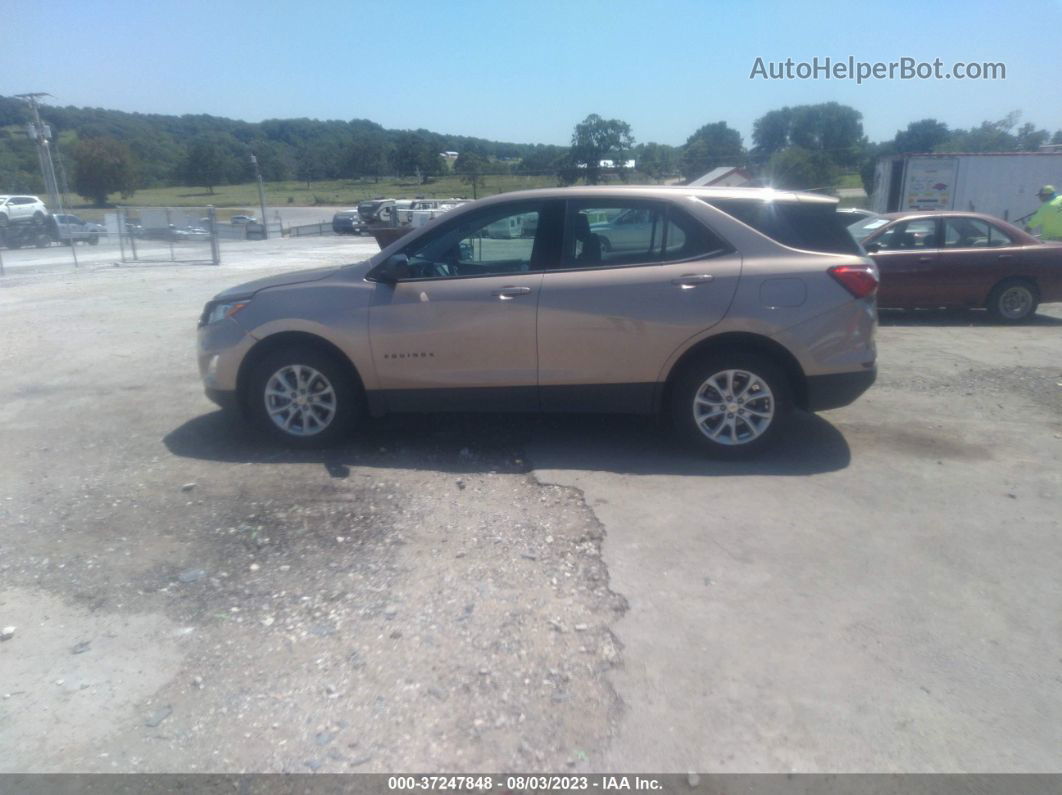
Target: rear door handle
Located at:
point(692, 280)
point(509, 293)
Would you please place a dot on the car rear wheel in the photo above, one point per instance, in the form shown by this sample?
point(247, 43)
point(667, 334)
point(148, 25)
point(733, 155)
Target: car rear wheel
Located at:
point(303, 397)
point(3, 220)
point(1013, 301)
point(731, 405)
point(94, 240)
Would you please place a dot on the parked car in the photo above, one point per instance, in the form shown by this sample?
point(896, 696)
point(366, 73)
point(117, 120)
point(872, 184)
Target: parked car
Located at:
point(243, 219)
point(749, 303)
point(954, 259)
point(189, 233)
point(15, 209)
point(347, 222)
point(70, 228)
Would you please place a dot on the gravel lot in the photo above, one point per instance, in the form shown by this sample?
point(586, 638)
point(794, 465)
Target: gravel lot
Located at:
point(517, 593)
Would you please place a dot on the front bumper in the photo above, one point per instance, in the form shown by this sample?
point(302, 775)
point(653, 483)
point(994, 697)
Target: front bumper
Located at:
point(220, 351)
point(838, 389)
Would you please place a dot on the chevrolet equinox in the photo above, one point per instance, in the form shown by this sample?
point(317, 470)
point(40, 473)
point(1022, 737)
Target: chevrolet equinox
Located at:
point(726, 308)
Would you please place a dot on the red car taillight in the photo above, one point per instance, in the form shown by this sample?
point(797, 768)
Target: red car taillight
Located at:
point(859, 280)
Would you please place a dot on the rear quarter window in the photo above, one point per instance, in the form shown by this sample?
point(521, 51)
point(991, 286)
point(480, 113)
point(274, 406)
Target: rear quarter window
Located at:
point(812, 227)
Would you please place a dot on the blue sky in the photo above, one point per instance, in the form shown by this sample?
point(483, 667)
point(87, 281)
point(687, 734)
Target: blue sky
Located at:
point(527, 71)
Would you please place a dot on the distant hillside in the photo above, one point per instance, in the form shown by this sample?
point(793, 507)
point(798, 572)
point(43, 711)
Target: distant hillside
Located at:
point(166, 148)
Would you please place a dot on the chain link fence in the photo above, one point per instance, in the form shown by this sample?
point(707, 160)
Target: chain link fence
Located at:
point(168, 234)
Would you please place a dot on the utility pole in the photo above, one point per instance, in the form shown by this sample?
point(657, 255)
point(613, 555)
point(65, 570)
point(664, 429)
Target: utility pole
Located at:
point(41, 134)
point(261, 197)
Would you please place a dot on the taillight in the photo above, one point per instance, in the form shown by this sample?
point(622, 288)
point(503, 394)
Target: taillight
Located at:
point(860, 280)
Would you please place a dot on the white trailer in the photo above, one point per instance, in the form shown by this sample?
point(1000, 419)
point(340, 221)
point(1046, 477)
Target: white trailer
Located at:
point(1003, 184)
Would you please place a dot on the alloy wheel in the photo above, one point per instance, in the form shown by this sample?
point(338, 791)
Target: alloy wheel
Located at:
point(300, 400)
point(733, 407)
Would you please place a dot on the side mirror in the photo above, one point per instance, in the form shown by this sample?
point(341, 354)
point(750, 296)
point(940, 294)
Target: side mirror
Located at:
point(872, 248)
point(391, 270)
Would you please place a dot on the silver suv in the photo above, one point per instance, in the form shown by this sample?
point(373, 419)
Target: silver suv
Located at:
point(725, 308)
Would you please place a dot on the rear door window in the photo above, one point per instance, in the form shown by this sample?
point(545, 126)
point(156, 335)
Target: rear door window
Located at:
point(972, 233)
point(613, 232)
point(804, 225)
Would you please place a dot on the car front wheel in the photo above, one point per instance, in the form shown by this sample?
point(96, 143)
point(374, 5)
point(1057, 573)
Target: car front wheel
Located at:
point(731, 405)
point(303, 397)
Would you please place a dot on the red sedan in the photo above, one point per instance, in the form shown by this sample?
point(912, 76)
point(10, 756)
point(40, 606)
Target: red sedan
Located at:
point(954, 259)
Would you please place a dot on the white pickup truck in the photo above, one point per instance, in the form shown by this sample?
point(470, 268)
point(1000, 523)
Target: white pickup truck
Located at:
point(71, 229)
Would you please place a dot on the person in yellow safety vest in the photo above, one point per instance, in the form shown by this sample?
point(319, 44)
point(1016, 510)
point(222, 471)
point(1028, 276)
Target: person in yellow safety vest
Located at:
point(1049, 216)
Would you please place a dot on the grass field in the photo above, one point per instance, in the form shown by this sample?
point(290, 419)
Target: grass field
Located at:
point(327, 193)
point(850, 181)
point(335, 193)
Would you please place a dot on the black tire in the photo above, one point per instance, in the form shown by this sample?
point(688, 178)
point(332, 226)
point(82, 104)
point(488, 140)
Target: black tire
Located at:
point(1013, 301)
point(38, 217)
point(94, 240)
point(346, 405)
point(606, 244)
point(42, 241)
point(3, 220)
point(742, 432)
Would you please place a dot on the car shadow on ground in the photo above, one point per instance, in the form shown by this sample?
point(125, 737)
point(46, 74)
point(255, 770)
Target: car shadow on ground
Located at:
point(954, 317)
point(473, 443)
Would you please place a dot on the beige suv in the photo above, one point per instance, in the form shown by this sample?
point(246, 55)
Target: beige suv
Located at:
point(725, 308)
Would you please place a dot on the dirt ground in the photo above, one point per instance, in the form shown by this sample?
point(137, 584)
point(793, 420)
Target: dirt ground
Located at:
point(507, 593)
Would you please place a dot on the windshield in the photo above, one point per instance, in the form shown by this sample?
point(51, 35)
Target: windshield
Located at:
point(865, 227)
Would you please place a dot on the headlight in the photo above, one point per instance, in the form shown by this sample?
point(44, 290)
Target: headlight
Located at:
point(219, 310)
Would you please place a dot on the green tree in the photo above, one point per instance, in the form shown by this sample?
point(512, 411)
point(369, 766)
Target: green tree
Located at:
point(1030, 139)
point(796, 168)
point(921, 136)
point(770, 132)
point(414, 154)
point(104, 166)
point(542, 159)
point(205, 163)
point(833, 129)
point(712, 145)
point(471, 167)
point(988, 136)
point(596, 139)
point(657, 160)
point(274, 160)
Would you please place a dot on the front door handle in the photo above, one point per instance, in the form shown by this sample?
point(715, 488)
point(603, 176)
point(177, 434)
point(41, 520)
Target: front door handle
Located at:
point(1005, 256)
point(509, 293)
point(926, 259)
point(689, 280)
